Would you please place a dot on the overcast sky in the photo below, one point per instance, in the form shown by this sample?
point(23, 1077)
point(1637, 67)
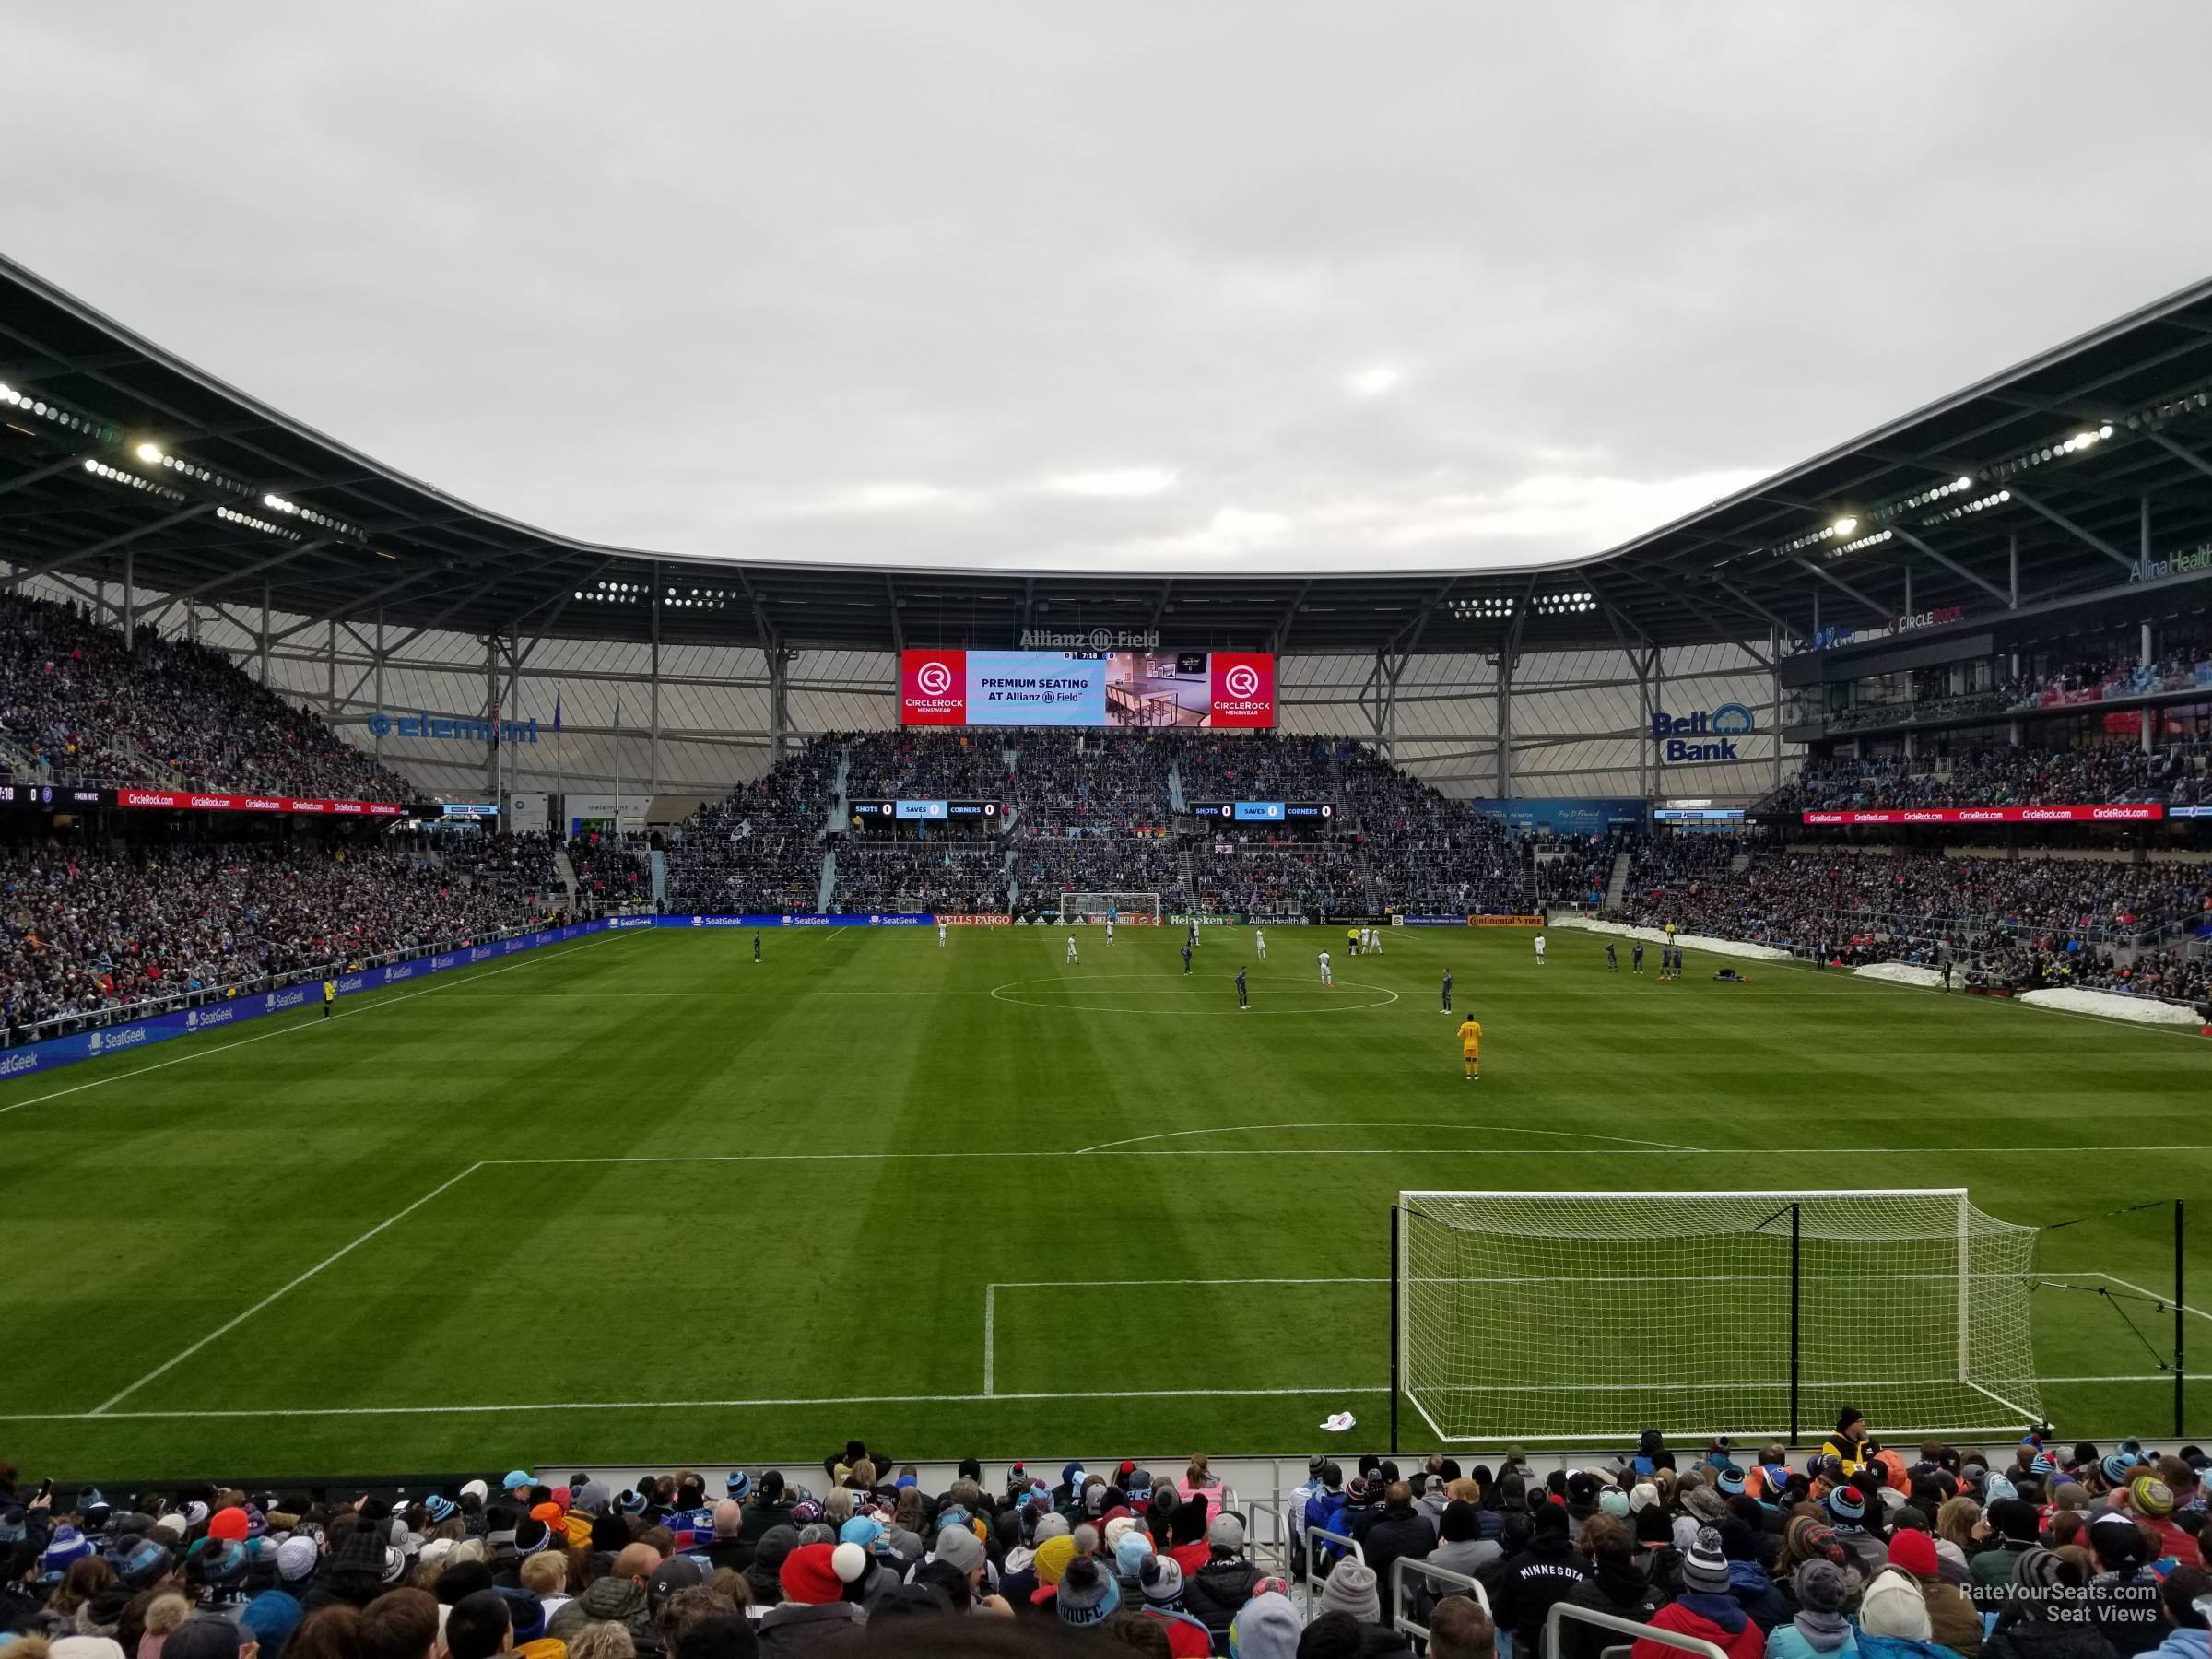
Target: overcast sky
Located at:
point(1201, 285)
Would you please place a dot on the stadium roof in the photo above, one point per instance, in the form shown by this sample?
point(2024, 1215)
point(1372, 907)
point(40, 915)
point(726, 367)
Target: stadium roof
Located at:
point(119, 459)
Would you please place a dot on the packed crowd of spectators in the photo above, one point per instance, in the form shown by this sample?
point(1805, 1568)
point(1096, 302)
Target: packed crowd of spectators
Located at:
point(1574, 871)
point(75, 700)
point(1857, 1551)
point(941, 873)
point(84, 929)
point(2000, 777)
point(2021, 922)
point(759, 848)
point(1105, 781)
point(1047, 865)
point(1258, 766)
point(1237, 872)
point(922, 765)
point(1429, 855)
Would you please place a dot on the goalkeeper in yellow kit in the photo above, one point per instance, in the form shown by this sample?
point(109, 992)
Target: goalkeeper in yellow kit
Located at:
point(1470, 1047)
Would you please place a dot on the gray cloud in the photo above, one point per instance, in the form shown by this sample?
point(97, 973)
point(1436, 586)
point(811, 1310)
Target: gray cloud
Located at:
point(1222, 288)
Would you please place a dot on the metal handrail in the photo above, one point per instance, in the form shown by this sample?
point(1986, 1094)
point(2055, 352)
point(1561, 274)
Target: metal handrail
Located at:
point(1626, 1626)
point(1314, 1538)
point(1403, 1620)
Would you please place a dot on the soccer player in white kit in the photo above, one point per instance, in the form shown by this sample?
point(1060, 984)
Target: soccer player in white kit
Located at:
point(1071, 947)
point(1327, 978)
point(1110, 928)
point(1259, 942)
point(1540, 950)
point(940, 935)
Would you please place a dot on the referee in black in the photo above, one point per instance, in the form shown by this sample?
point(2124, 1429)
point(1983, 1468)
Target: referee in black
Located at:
point(1447, 1008)
point(1243, 997)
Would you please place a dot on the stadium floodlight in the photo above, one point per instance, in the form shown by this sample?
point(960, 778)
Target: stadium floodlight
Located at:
point(1589, 1316)
point(150, 453)
point(1846, 524)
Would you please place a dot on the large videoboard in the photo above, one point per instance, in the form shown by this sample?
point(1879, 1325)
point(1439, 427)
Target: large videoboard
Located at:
point(1133, 690)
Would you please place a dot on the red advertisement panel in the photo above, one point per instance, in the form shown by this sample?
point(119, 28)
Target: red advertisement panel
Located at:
point(2122, 812)
point(933, 687)
point(182, 800)
point(1244, 689)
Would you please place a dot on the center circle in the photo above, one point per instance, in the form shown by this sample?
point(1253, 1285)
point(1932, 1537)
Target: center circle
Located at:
point(1312, 998)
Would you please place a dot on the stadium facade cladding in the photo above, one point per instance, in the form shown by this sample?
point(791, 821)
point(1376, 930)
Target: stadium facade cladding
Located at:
point(2072, 489)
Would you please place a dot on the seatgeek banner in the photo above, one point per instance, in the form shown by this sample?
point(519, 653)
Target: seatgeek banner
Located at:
point(240, 1009)
point(865, 919)
point(2120, 812)
point(1136, 690)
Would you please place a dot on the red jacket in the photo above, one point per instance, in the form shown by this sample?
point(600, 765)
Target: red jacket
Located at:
point(1748, 1642)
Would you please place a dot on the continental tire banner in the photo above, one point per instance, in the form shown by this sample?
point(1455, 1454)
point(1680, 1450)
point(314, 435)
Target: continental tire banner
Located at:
point(1505, 921)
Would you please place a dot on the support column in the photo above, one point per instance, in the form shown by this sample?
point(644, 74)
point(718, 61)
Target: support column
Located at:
point(375, 730)
point(2143, 534)
point(491, 707)
point(2148, 656)
point(1643, 721)
point(654, 743)
point(514, 708)
point(778, 701)
point(130, 598)
point(1391, 713)
point(330, 678)
point(2012, 560)
point(265, 633)
point(1774, 725)
point(1908, 587)
point(1505, 724)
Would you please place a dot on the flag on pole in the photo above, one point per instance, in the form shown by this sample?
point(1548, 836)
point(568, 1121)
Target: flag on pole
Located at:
point(557, 711)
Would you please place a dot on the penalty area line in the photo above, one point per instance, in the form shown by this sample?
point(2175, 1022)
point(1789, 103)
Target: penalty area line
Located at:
point(274, 1296)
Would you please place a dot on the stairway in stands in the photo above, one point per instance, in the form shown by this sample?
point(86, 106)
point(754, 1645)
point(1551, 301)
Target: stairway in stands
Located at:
point(1616, 888)
point(567, 873)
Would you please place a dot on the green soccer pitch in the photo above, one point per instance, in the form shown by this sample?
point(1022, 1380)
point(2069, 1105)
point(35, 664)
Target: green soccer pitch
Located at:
point(636, 1198)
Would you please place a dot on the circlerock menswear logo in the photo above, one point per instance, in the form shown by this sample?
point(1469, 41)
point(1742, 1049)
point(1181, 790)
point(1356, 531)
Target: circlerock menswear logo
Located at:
point(1244, 680)
point(933, 678)
point(1731, 720)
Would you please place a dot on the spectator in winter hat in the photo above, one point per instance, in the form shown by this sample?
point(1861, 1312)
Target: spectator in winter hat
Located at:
point(1398, 1531)
point(1617, 1585)
point(2013, 1529)
point(1818, 1630)
point(1952, 1620)
point(1088, 1594)
point(1217, 1591)
point(2042, 1621)
point(2122, 1604)
point(1849, 1445)
point(1892, 1605)
point(763, 1575)
point(1464, 1549)
point(1705, 1609)
point(1268, 1627)
point(813, 1610)
point(1749, 1581)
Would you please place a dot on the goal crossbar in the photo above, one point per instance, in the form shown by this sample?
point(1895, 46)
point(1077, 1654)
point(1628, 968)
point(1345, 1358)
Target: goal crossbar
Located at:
point(1579, 1314)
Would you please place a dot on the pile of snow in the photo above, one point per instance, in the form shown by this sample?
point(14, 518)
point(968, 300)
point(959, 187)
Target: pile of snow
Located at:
point(2143, 1010)
point(1900, 974)
point(1658, 935)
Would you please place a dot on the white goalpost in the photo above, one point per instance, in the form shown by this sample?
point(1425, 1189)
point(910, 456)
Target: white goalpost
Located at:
point(1574, 1316)
point(1141, 909)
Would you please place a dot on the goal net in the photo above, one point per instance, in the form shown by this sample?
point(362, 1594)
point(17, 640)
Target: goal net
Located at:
point(1527, 1316)
point(1139, 908)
